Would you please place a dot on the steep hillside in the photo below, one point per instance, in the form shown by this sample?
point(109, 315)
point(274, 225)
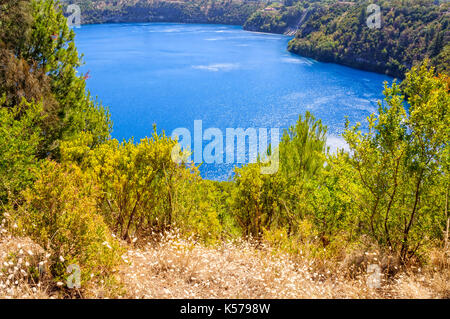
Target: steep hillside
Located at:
point(410, 31)
point(234, 12)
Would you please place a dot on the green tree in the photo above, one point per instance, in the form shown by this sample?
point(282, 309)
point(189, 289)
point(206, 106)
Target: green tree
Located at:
point(400, 163)
point(60, 213)
point(41, 62)
point(282, 199)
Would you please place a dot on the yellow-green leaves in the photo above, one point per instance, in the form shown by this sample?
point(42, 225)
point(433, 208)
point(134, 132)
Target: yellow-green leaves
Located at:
point(19, 140)
point(142, 189)
point(262, 201)
point(399, 165)
point(60, 213)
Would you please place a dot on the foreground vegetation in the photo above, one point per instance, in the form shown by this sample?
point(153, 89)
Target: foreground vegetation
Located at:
point(72, 195)
point(176, 267)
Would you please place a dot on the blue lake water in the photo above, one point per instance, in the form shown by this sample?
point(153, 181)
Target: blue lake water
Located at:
point(173, 74)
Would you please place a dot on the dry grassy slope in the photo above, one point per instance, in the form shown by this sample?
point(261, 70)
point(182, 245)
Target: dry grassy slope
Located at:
point(178, 268)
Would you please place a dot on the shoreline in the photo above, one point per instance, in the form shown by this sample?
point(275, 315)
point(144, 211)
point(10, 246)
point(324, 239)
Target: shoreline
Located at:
point(251, 31)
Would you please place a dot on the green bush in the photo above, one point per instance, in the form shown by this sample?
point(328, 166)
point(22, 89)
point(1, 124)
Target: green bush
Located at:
point(60, 214)
point(410, 31)
point(142, 189)
point(261, 201)
point(392, 186)
point(400, 166)
point(19, 140)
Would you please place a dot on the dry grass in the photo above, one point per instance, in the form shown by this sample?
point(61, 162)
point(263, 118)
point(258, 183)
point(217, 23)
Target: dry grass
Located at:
point(172, 267)
point(178, 268)
point(20, 259)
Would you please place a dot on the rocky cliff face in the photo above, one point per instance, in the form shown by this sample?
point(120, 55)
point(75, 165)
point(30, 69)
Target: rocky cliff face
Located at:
point(277, 18)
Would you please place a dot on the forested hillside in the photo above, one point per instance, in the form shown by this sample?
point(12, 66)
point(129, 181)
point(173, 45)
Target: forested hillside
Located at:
point(410, 31)
point(137, 223)
point(278, 17)
point(233, 12)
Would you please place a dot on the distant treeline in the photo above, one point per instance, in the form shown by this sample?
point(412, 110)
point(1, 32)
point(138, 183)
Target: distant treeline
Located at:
point(233, 12)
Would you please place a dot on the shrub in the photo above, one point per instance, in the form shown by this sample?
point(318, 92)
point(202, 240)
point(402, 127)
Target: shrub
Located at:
point(60, 214)
point(142, 189)
point(19, 140)
point(400, 166)
point(261, 201)
point(254, 199)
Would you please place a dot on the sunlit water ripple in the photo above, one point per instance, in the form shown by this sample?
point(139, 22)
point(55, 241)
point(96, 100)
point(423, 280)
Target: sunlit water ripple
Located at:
point(173, 74)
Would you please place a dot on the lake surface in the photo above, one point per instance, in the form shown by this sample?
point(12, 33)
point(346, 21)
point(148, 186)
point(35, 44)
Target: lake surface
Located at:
point(174, 74)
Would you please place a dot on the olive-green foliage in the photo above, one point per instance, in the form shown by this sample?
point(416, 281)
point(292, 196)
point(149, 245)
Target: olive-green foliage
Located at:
point(60, 213)
point(401, 164)
point(43, 101)
point(186, 11)
point(302, 158)
point(15, 20)
point(39, 63)
point(143, 189)
point(38, 70)
point(19, 139)
point(285, 16)
point(262, 201)
point(60, 60)
point(254, 203)
point(217, 195)
point(411, 31)
point(391, 186)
